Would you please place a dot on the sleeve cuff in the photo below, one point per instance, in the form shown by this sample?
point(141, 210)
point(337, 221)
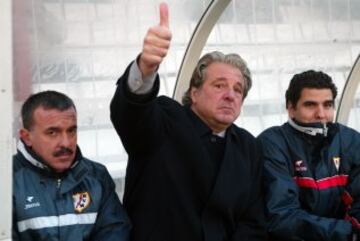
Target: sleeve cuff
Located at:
point(137, 84)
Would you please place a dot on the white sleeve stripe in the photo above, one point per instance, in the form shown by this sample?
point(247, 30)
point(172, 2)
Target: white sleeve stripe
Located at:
point(56, 221)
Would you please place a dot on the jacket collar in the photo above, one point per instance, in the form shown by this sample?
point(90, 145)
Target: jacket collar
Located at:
point(310, 129)
point(200, 126)
point(38, 162)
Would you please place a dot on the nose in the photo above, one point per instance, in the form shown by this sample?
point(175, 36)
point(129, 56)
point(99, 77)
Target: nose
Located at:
point(320, 113)
point(230, 94)
point(65, 140)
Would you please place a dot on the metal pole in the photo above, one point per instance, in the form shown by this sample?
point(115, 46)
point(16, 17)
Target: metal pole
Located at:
point(196, 45)
point(348, 94)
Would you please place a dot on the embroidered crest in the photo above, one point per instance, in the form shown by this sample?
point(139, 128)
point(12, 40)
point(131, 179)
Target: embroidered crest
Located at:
point(300, 166)
point(336, 162)
point(81, 201)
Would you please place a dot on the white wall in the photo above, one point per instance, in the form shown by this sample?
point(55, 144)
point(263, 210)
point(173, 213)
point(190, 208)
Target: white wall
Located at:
point(6, 99)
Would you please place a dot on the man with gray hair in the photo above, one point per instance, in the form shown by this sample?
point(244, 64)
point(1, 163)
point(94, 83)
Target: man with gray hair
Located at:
point(192, 174)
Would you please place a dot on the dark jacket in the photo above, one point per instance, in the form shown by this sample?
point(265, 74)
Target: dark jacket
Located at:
point(312, 185)
point(172, 192)
point(80, 206)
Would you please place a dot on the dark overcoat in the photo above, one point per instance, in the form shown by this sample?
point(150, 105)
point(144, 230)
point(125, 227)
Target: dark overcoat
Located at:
point(170, 192)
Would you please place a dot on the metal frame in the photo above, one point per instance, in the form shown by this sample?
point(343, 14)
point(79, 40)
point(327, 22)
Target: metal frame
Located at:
point(348, 93)
point(6, 134)
point(196, 45)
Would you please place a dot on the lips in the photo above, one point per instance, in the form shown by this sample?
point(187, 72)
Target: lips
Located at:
point(64, 155)
point(227, 109)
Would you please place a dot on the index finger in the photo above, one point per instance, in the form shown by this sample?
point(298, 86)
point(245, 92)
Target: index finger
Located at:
point(164, 15)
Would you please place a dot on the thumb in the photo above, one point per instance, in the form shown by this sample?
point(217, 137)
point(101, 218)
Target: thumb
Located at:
point(164, 15)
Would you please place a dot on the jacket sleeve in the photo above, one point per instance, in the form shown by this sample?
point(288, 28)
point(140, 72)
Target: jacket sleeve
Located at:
point(285, 217)
point(137, 118)
point(251, 227)
point(15, 231)
point(351, 197)
point(112, 223)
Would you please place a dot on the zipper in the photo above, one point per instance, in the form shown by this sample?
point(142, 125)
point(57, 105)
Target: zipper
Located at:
point(58, 183)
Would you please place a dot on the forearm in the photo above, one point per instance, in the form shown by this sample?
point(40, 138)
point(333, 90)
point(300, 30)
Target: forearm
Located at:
point(112, 222)
point(289, 223)
point(136, 83)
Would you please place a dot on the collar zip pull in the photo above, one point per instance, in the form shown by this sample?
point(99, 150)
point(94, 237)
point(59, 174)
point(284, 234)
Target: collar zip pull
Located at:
point(325, 129)
point(58, 183)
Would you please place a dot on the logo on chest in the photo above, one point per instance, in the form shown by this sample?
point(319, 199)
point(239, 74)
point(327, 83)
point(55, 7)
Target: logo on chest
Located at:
point(336, 161)
point(300, 166)
point(81, 201)
point(30, 203)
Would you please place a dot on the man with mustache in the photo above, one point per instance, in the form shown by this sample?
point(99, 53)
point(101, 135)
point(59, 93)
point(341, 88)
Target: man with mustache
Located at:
point(312, 167)
point(192, 174)
point(57, 193)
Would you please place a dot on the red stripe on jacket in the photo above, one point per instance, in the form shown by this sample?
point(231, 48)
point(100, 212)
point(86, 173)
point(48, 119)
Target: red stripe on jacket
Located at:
point(324, 183)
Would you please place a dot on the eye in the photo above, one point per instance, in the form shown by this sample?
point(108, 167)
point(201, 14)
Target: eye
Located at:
point(51, 133)
point(309, 104)
point(72, 131)
point(238, 90)
point(219, 85)
point(329, 104)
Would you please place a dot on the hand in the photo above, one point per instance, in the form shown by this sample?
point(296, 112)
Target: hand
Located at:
point(156, 44)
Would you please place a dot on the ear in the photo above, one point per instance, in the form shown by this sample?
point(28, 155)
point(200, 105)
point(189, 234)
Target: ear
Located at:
point(25, 136)
point(193, 94)
point(291, 110)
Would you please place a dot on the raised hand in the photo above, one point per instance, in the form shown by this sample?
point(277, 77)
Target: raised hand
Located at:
point(156, 44)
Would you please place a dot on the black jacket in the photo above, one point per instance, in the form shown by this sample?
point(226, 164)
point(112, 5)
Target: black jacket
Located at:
point(171, 193)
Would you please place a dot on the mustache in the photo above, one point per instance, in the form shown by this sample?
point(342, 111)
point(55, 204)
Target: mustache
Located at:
point(62, 151)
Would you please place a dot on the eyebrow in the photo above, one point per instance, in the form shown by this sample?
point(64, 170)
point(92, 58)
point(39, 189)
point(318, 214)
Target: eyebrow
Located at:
point(55, 128)
point(224, 79)
point(315, 102)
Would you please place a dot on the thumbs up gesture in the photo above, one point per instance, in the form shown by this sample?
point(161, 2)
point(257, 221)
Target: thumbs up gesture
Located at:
point(156, 44)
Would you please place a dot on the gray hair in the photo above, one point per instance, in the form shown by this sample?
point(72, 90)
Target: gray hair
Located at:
point(199, 73)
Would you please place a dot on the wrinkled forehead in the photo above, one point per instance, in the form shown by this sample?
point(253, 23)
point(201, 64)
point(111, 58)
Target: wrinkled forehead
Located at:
point(52, 116)
point(224, 71)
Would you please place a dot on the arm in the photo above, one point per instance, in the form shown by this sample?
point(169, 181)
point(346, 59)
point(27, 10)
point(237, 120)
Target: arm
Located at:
point(351, 196)
point(286, 218)
point(15, 232)
point(112, 223)
point(134, 113)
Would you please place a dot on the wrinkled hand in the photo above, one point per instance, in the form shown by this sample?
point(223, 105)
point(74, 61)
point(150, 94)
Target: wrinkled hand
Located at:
point(156, 44)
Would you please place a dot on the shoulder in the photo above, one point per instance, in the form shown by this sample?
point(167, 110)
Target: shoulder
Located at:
point(19, 163)
point(171, 107)
point(244, 140)
point(99, 173)
point(97, 169)
point(272, 132)
point(277, 139)
point(241, 133)
point(345, 130)
point(348, 136)
point(168, 102)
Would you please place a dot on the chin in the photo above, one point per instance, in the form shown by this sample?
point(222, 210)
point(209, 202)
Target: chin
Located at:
point(226, 120)
point(62, 168)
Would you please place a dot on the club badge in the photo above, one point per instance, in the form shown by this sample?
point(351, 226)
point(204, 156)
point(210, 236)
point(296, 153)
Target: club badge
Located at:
point(300, 166)
point(81, 201)
point(337, 162)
